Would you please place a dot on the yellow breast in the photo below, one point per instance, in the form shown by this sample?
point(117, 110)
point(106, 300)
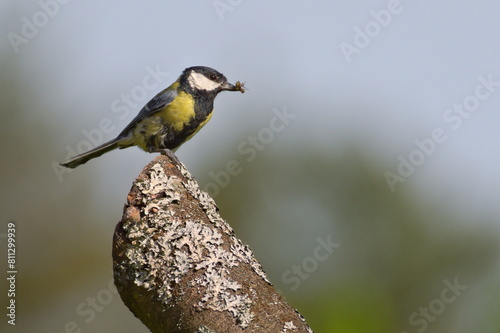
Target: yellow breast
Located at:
point(179, 112)
point(176, 115)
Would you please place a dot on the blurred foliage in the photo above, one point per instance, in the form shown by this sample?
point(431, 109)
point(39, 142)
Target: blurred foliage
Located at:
point(394, 254)
point(58, 248)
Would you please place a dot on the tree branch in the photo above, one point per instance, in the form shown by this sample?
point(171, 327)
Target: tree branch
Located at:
point(179, 267)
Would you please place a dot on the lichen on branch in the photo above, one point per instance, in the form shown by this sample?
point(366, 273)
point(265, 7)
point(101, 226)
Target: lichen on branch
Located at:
point(179, 267)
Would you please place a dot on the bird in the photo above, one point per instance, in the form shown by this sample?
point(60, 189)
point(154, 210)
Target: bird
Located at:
point(170, 118)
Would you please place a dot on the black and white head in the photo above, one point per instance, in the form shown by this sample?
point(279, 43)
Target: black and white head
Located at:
point(205, 80)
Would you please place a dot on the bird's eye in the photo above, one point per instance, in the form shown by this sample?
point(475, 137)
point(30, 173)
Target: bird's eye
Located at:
point(213, 77)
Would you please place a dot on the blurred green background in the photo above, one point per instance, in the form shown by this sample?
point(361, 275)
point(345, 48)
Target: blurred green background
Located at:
point(339, 95)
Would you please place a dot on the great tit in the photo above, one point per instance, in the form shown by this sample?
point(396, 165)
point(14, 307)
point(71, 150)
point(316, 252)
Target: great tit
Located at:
point(171, 118)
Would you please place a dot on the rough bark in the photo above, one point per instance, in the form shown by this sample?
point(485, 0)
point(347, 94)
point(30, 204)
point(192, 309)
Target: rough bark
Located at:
point(179, 267)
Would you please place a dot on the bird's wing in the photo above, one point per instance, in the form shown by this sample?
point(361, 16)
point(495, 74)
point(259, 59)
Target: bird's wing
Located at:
point(155, 105)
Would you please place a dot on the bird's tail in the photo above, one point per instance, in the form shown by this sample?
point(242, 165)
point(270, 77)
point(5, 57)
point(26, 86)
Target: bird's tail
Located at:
point(96, 152)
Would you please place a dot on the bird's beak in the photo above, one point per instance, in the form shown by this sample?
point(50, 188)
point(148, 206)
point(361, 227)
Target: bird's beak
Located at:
point(233, 87)
point(228, 86)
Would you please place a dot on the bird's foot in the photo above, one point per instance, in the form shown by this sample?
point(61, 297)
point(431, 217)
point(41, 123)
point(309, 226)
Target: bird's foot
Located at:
point(167, 152)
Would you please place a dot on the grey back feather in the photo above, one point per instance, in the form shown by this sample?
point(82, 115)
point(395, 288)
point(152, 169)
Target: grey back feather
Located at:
point(160, 101)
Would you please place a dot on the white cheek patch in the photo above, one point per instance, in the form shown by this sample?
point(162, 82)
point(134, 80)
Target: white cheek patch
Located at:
point(200, 81)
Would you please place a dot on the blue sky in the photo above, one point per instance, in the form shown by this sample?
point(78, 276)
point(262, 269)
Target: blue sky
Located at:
point(416, 61)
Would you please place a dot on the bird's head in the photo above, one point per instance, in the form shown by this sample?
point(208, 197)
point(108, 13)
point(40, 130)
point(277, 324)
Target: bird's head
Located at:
point(207, 80)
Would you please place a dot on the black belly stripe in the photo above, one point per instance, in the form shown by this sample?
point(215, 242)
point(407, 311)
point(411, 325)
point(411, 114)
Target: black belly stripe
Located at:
point(172, 139)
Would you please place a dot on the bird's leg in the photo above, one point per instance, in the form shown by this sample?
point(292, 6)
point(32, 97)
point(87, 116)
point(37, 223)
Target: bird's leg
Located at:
point(171, 155)
point(166, 152)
